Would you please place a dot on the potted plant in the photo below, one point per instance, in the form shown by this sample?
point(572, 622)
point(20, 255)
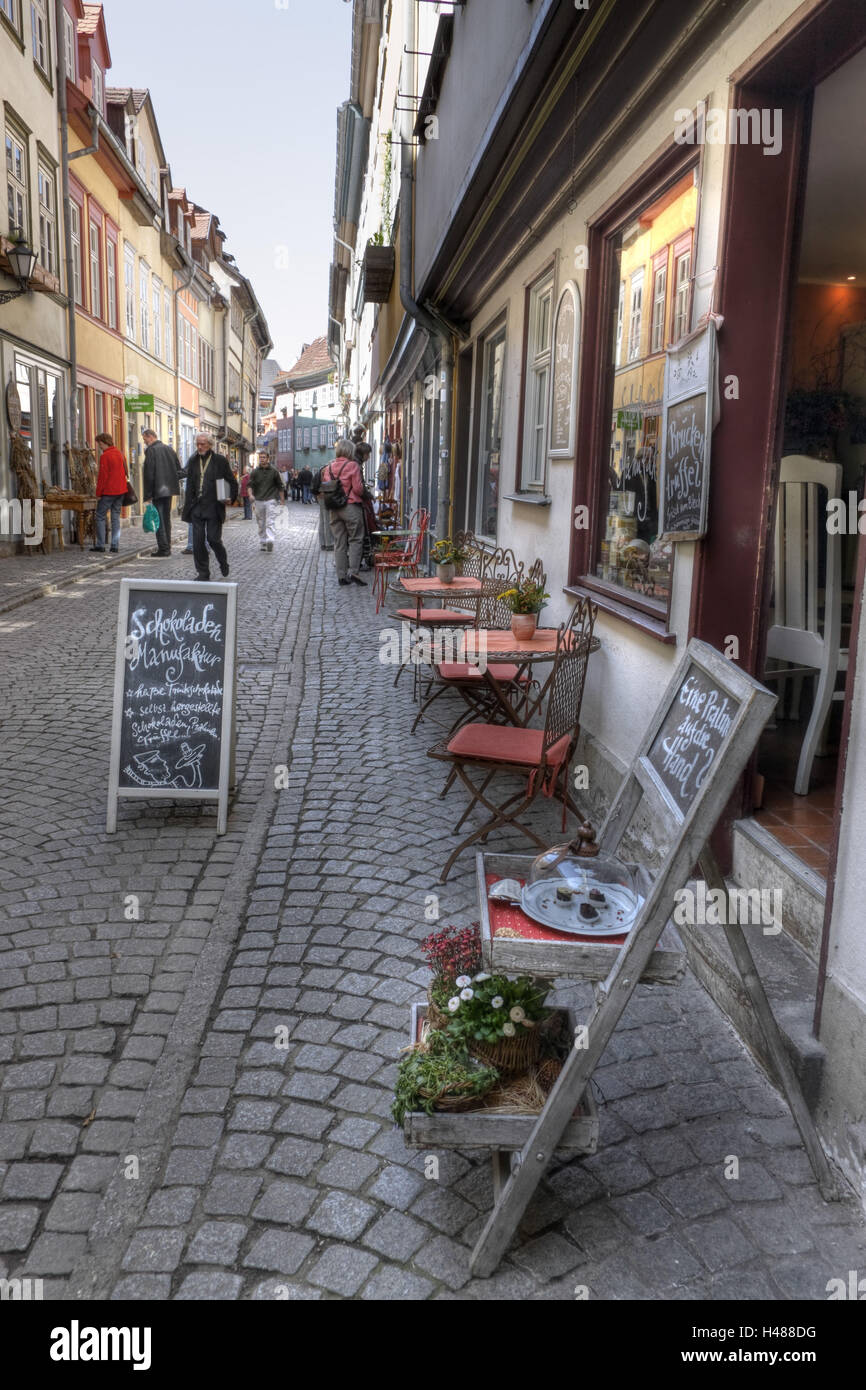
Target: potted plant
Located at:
point(525, 602)
point(450, 953)
point(439, 1074)
point(446, 557)
point(494, 1018)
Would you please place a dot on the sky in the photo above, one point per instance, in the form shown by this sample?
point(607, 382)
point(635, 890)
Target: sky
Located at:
point(246, 99)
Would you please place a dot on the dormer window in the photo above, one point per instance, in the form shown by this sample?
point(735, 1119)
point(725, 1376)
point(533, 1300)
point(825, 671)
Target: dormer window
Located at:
point(69, 46)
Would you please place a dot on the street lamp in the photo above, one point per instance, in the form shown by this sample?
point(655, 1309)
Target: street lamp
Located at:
point(22, 258)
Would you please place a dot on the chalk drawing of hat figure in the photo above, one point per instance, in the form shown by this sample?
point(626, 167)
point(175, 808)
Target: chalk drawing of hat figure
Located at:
point(189, 766)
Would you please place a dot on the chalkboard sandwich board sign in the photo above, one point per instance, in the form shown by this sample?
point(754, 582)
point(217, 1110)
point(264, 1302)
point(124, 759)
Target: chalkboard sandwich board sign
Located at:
point(173, 726)
point(687, 427)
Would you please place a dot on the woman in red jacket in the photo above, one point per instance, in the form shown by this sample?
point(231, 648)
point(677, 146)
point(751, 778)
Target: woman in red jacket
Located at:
point(111, 488)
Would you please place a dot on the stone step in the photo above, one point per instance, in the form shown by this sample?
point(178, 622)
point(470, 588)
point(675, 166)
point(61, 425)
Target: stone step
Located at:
point(789, 977)
point(761, 861)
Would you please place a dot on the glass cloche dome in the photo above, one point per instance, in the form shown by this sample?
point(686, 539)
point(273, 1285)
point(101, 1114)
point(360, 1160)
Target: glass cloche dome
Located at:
point(593, 895)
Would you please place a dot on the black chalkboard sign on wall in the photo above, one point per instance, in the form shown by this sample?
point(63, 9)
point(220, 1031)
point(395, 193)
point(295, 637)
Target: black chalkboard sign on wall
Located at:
point(687, 427)
point(695, 727)
point(173, 729)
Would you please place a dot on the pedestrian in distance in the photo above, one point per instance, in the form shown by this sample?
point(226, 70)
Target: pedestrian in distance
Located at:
point(347, 522)
point(111, 488)
point(204, 506)
point(245, 495)
point(267, 488)
point(295, 485)
point(162, 475)
point(305, 479)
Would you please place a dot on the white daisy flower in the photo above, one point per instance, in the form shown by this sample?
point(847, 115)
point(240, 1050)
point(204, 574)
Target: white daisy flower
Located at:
point(497, 1001)
point(517, 1015)
point(467, 993)
point(454, 1004)
point(463, 981)
point(509, 1030)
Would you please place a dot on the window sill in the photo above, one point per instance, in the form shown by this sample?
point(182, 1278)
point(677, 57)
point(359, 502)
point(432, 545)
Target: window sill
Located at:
point(13, 33)
point(647, 623)
point(534, 499)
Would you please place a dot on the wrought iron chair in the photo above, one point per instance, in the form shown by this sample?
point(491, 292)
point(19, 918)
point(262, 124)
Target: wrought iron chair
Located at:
point(406, 558)
point(542, 756)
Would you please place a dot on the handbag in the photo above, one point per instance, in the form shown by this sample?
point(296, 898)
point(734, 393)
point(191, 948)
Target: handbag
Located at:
point(333, 495)
point(130, 497)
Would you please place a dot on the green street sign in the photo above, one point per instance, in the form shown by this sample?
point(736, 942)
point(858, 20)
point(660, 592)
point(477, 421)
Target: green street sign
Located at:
point(138, 404)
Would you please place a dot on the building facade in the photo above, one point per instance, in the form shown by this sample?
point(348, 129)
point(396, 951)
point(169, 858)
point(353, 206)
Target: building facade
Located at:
point(543, 198)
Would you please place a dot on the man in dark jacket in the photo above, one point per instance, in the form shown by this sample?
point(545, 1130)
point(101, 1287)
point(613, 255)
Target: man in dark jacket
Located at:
point(161, 485)
point(305, 478)
point(203, 506)
point(266, 488)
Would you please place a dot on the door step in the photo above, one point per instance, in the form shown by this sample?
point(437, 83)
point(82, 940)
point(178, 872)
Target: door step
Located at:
point(790, 980)
point(761, 861)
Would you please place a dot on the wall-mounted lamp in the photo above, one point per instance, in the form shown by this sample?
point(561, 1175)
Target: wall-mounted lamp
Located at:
point(22, 258)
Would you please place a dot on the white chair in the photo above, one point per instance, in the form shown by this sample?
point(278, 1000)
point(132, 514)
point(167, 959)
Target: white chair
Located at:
point(802, 634)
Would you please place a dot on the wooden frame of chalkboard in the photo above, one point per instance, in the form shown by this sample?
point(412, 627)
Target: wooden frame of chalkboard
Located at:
point(564, 365)
point(175, 749)
point(687, 429)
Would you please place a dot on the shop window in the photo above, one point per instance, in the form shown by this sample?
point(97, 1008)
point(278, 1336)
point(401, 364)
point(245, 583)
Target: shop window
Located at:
point(537, 384)
point(622, 553)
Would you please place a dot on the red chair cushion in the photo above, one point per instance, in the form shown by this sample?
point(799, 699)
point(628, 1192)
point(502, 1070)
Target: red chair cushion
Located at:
point(460, 671)
point(436, 615)
point(503, 744)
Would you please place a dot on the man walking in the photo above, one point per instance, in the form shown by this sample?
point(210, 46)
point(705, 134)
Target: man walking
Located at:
point(204, 505)
point(161, 485)
point(266, 488)
point(305, 478)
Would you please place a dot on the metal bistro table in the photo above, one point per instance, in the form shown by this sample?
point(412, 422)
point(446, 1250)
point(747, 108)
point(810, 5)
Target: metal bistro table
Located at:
point(503, 648)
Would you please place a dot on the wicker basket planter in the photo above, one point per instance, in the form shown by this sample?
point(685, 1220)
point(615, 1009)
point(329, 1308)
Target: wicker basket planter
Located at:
point(509, 1055)
point(379, 264)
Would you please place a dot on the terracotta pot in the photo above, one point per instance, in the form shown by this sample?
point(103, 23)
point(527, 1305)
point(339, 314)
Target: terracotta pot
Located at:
point(523, 625)
point(445, 573)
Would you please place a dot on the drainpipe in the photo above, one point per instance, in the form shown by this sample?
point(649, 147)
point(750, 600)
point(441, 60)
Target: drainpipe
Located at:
point(63, 113)
point(421, 317)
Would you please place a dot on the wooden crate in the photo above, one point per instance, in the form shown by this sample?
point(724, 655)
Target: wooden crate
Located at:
point(479, 1129)
point(565, 958)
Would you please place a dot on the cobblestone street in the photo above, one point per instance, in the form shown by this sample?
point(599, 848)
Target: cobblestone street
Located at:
point(155, 1143)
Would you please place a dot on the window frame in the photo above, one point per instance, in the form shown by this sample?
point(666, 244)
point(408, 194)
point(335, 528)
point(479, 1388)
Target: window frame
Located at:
point(536, 377)
point(15, 26)
point(94, 270)
point(97, 86)
point(636, 285)
point(168, 327)
point(76, 224)
point(111, 284)
point(156, 312)
point(658, 323)
point(69, 48)
point(597, 380)
point(144, 303)
point(682, 251)
point(129, 293)
point(485, 344)
point(48, 176)
point(40, 8)
point(19, 136)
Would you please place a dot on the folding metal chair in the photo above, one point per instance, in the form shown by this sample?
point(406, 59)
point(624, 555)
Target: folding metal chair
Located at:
point(542, 756)
point(406, 558)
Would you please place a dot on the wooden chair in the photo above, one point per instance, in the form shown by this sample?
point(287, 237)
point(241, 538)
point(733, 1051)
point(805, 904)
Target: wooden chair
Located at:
point(542, 756)
point(805, 632)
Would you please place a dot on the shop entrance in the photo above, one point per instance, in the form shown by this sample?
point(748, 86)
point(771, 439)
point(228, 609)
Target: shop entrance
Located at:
point(794, 232)
point(823, 448)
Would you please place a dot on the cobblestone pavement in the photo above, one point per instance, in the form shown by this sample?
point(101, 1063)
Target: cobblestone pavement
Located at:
point(156, 1143)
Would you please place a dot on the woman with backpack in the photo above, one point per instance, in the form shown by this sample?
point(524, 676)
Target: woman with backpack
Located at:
point(342, 491)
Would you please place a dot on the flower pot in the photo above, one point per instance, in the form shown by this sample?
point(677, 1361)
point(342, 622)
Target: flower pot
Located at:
point(445, 573)
point(509, 1055)
point(523, 625)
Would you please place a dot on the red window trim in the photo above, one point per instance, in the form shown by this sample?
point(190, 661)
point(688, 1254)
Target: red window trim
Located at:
point(665, 167)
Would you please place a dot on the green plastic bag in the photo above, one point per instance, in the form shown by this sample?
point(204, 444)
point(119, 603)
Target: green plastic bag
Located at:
point(151, 518)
